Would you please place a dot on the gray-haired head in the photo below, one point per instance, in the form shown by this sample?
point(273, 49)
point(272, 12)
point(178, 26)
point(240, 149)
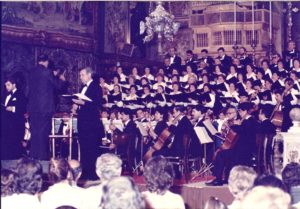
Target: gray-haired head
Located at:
point(89, 70)
point(121, 192)
point(241, 179)
point(108, 166)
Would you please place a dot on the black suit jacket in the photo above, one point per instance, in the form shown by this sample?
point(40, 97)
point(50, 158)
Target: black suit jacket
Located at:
point(42, 85)
point(226, 62)
point(181, 132)
point(176, 63)
point(88, 114)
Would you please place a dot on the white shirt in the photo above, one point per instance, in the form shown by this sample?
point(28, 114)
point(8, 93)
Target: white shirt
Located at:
point(21, 201)
point(84, 89)
point(92, 197)
point(8, 97)
point(62, 194)
point(168, 200)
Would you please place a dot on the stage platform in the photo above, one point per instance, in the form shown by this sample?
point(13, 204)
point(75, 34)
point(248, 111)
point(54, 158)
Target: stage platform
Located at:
point(196, 192)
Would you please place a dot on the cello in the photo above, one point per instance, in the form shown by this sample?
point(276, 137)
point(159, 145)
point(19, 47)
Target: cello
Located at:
point(161, 140)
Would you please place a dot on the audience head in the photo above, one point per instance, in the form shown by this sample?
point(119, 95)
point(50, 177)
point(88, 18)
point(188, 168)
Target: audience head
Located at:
point(159, 174)
point(269, 181)
point(76, 169)
point(43, 60)
point(29, 179)
point(121, 192)
point(59, 170)
point(108, 166)
point(214, 203)
point(291, 175)
point(8, 182)
point(262, 197)
point(241, 179)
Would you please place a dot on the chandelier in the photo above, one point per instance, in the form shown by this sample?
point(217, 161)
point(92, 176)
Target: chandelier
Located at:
point(159, 22)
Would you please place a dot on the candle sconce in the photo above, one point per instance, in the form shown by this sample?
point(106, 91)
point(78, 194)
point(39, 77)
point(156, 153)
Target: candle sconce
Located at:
point(253, 46)
point(235, 48)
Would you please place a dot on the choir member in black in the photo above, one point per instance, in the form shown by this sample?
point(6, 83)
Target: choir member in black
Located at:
point(175, 95)
point(232, 76)
point(274, 63)
point(146, 97)
point(277, 83)
point(90, 128)
point(175, 60)
point(13, 108)
point(241, 83)
point(42, 85)
point(267, 70)
point(250, 74)
point(241, 153)
point(135, 75)
point(190, 60)
point(147, 74)
point(288, 101)
point(244, 58)
point(294, 76)
point(193, 96)
point(206, 58)
point(296, 66)
point(281, 70)
point(160, 97)
point(125, 139)
point(123, 77)
point(290, 54)
point(116, 95)
point(167, 66)
point(226, 60)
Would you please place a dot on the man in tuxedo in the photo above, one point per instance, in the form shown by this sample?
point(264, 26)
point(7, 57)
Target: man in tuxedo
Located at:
point(41, 106)
point(174, 58)
point(128, 137)
point(207, 59)
point(90, 128)
point(290, 54)
point(13, 122)
point(244, 58)
point(226, 60)
point(182, 131)
point(190, 60)
point(241, 152)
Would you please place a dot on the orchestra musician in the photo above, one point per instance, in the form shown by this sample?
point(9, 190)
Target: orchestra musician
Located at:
point(124, 140)
point(239, 153)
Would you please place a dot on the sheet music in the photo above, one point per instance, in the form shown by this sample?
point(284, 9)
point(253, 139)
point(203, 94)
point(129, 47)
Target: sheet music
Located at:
point(202, 135)
point(119, 125)
point(142, 129)
point(210, 127)
point(79, 96)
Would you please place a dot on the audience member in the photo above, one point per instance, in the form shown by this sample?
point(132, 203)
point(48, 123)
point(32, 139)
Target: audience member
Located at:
point(291, 178)
point(269, 181)
point(159, 176)
point(62, 192)
point(262, 197)
point(8, 182)
point(214, 203)
point(121, 193)
point(241, 179)
point(28, 185)
point(108, 166)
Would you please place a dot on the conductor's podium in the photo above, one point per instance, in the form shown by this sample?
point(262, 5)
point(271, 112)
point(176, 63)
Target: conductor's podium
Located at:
point(64, 137)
